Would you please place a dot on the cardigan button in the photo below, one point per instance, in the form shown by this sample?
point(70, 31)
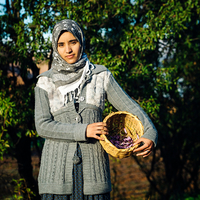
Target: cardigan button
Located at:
point(78, 119)
point(76, 160)
point(81, 98)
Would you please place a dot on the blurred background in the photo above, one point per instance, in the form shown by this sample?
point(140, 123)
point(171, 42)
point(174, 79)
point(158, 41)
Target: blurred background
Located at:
point(152, 47)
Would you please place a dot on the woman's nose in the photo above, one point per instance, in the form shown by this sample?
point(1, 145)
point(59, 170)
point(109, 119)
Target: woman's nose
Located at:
point(68, 49)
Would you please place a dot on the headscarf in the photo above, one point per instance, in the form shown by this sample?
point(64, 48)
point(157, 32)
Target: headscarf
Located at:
point(68, 78)
point(58, 62)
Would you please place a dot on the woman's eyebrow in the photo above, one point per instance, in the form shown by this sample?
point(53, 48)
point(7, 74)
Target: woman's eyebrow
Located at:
point(74, 40)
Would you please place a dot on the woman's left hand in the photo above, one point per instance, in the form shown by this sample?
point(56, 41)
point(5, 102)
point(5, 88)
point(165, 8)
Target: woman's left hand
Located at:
point(145, 149)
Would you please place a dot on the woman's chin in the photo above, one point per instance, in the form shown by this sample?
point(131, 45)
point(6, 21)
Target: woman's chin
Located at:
point(71, 61)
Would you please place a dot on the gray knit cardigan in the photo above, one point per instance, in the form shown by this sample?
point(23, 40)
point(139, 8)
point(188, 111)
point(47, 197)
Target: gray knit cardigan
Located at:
point(62, 127)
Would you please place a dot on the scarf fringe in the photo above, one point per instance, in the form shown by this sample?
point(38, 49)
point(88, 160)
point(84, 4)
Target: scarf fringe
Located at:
point(73, 95)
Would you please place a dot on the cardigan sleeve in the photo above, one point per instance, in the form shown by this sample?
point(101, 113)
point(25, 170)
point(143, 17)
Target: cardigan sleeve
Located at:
point(122, 101)
point(48, 128)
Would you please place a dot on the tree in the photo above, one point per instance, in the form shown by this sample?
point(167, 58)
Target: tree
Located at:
point(175, 95)
point(152, 49)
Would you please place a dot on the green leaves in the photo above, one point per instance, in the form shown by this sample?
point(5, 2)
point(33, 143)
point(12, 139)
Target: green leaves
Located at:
point(16, 113)
point(4, 144)
point(152, 49)
point(21, 190)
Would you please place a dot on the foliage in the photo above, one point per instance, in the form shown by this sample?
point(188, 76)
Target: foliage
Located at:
point(152, 49)
point(21, 190)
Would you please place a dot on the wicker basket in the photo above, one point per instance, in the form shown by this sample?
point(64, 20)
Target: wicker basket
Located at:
point(118, 121)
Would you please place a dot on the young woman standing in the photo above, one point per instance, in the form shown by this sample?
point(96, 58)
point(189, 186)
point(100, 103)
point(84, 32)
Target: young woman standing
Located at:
point(69, 101)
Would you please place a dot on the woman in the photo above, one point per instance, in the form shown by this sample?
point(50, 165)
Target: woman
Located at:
point(70, 100)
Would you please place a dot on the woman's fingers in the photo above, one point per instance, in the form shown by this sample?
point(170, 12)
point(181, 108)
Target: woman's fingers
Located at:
point(144, 153)
point(96, 129)
point(98, 137)
point(145, 149)
point(101, 126)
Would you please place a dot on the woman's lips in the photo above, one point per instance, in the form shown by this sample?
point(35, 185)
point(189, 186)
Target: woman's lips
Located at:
point(70, 56)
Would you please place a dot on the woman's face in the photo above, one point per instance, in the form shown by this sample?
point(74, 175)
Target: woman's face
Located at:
point(68, 47)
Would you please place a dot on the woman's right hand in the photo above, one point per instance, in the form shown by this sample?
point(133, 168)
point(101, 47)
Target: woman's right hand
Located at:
point(96, 129)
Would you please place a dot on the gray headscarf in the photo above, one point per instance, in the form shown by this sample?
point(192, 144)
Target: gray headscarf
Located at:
point(58, 62)
point(69, 78)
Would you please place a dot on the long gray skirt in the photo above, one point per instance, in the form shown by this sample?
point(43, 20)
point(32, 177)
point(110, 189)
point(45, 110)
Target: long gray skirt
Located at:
point(77, 185)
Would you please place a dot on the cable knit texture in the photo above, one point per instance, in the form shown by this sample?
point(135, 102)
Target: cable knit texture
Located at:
point(63, 128)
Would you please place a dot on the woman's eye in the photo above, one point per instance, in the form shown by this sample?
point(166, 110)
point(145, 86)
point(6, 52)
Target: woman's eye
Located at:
point(60, 45)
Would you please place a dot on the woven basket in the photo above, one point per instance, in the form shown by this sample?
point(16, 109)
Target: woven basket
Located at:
point(118, 121)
